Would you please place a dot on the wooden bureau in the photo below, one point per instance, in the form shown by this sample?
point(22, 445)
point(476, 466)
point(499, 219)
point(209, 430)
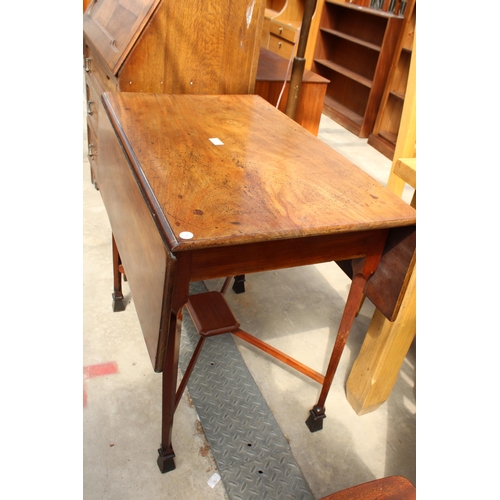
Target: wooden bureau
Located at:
point(169, 47)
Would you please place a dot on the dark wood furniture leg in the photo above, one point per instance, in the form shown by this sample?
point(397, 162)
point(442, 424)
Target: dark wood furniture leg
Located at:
point(211, 316)
point(239, 283)
point(225, 285)
point(118, 302)
point(317, 413)
point(362, 270)
point(175, 298)
point(166, 453)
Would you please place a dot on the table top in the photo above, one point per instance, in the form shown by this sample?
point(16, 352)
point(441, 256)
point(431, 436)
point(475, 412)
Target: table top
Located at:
point(275, 68)
point(232, 169)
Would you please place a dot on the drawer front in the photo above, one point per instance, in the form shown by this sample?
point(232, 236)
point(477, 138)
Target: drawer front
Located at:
point(92, 151)
point(93, 66)
point(93, 93)
point(281, 47)
point(288, 33)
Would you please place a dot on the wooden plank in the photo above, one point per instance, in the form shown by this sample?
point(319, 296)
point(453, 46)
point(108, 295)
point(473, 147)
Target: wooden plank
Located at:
point(367, 82)
point(386, 344)
point(354, 39)
point(387, 488)
point(384, 349)
point(406, 169)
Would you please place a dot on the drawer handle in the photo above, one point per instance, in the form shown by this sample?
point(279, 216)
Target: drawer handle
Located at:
point(279, 45)
point(87, 64)
point(281, 30)
point(90, 153)
point(89, 109)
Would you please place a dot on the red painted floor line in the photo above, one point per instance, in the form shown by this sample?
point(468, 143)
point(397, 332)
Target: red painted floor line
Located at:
point(100, 369)
point(95, 371)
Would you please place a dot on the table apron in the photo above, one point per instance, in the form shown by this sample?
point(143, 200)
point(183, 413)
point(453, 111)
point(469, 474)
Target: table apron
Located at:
point(255, 257)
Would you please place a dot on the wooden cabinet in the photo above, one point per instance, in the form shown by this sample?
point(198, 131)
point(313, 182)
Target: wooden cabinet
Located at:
point(272, 73)
point(354, 50)
point(162, 46)
point(283, 37)
point(283, 19)
point(385, 131)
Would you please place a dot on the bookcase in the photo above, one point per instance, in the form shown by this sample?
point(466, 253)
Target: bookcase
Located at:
point(386, 127)
point(354, 49)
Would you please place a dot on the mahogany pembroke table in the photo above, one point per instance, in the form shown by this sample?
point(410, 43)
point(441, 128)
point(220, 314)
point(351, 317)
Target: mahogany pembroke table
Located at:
point(201, 187)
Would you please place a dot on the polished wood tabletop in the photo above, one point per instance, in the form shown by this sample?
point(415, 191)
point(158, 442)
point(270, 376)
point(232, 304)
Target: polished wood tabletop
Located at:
point(199, 187)
point(268, 179)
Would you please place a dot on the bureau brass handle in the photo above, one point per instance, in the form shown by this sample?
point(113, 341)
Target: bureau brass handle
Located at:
point(90, 150)
point(281, 30)
point(87, 64)
point(89, 109)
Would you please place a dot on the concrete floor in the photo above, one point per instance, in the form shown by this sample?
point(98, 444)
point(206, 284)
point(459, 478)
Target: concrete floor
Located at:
point(297, 311)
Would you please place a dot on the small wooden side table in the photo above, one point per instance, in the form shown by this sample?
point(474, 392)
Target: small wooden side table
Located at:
point(200, 187)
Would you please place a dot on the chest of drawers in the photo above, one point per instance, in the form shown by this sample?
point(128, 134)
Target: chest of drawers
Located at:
point(284, 37)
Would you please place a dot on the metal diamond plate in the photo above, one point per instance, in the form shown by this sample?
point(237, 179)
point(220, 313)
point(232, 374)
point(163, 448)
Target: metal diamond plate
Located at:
point(273, 477)
point(252, 454)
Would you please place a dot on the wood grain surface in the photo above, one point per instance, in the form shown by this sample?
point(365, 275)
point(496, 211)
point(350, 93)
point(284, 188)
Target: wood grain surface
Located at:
point(269, 180)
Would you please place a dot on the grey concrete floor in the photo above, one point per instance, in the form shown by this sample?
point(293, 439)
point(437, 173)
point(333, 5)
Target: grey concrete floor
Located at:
point(297, 311)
